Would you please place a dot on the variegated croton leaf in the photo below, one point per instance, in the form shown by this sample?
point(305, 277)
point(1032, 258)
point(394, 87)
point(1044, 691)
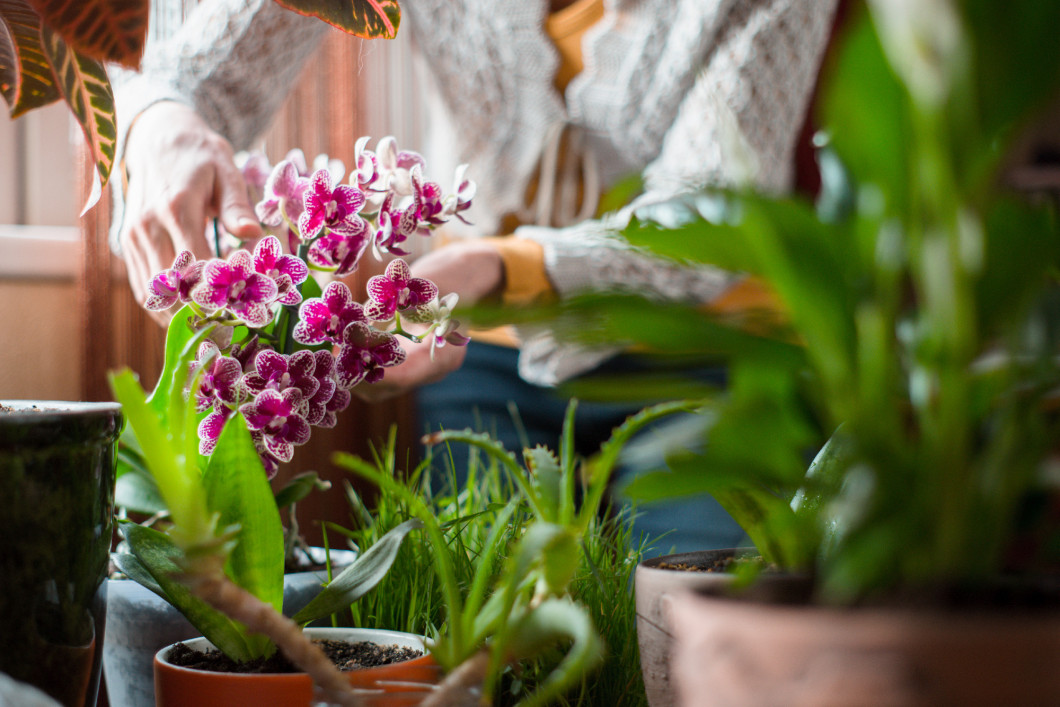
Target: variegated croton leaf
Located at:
point(369, 19)
point(105, 30)
point(84, 85)
point(26, 78)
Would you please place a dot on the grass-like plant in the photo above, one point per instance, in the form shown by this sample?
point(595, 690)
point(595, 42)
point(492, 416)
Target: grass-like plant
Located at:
point(518, 573)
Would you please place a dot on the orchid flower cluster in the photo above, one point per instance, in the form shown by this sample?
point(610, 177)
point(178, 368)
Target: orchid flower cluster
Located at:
point(287, 360)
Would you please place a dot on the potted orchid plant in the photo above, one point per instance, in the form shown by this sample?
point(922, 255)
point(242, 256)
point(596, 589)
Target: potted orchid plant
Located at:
point(258, 355)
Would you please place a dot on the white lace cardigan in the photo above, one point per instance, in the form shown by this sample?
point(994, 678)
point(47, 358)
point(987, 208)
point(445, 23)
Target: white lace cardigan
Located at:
point(686, 92)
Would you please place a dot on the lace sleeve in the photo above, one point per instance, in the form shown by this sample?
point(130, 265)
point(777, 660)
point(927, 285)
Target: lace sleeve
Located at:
point(232, 60)
point(735, 126)
point(738, 124)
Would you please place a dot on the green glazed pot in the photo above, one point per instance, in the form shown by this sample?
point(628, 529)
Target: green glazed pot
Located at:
point(57, 462)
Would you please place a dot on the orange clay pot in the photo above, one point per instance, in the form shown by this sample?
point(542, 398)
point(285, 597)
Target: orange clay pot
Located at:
point(395, 685)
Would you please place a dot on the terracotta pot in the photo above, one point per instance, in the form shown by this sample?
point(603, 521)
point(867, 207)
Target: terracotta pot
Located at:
point(56, 520)
point(652, 585)
point(395, 685)
point(140, 623)
point(734, 652)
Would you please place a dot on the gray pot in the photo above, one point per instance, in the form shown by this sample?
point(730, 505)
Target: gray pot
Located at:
point(56, 521)
point(652, 585)
point(140, 623)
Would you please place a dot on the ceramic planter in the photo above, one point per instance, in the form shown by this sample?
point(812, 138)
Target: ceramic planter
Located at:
point(56, 520)
point(734, 652)
point(651, 585)
point(140, 623)
point(395, 685)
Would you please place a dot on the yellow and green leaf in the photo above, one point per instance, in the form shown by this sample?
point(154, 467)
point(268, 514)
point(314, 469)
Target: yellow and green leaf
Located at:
point(84, 84)
point(104, 30)
point(26, 78)
point(370, 19)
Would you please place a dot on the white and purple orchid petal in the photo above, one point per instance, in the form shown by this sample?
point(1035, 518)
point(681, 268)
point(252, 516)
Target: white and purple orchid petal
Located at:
point(255, 315)
point(420, 291)
point(281, 449)
point(398, 271)
point(380, 312)
point(302, 364)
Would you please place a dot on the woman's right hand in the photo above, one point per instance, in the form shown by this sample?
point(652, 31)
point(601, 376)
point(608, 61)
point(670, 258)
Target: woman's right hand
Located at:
point(181, 175)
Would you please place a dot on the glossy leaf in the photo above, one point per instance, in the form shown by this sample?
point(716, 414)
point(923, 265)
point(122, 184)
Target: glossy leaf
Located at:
point(155, 564)
point(299, 487)
point(86, 88)
point(369, 19)
point(237, 488)
point(105, 30)
point(359, 578)
point(26, 77)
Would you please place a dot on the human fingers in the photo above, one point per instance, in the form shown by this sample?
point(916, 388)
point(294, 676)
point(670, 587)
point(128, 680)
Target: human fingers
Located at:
point(236, 213)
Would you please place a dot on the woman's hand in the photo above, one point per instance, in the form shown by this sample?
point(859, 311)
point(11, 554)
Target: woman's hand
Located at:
point(181, 175)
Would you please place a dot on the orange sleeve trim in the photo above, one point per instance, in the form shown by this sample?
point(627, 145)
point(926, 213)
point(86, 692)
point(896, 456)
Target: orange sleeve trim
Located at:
point(525, 280)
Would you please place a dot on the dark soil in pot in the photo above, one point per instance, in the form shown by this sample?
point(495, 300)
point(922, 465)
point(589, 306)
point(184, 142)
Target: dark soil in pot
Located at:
point(346, 655)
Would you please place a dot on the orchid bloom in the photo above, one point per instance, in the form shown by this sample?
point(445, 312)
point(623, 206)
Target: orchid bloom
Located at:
point(284, 194)
point(233, 285)
point(287, 271)
point(335, 208)
point(275, 423)
point(323, 319)
point(276, 371)
point(445, 327)
point(397, 290)
point(220, 384)
point(395, 166)
point(365, 167)
point(365, 352)
point(174, 285)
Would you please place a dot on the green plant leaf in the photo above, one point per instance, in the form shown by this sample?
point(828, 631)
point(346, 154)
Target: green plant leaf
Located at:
point(138, 493)
point(865, 109)
point(158, 556)
point(238, 489)
point(86, 88)
point(553, 622)
point(104, 30)
point(166, 457)
point(369, 19)
point(299, 487)
point(360, 577)
point(26, 77)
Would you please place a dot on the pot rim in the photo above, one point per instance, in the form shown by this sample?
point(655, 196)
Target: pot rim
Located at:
point(401, 638)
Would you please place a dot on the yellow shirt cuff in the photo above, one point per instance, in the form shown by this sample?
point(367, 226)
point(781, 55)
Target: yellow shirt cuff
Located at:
point(524, 270)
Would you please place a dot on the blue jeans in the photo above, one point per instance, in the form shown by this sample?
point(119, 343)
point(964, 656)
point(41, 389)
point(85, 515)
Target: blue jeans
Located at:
point(487, 394)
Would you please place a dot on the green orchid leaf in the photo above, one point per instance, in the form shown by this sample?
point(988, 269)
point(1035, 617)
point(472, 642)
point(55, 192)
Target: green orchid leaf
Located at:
point(156, 554)
point(369, 19)
point(166, 457)
point(104, 30)
point(238, 489)
point(138, 493)
point(359, 578)
point(86, 88)
point(299, 487)
point(556, 622)
point(26, 77)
